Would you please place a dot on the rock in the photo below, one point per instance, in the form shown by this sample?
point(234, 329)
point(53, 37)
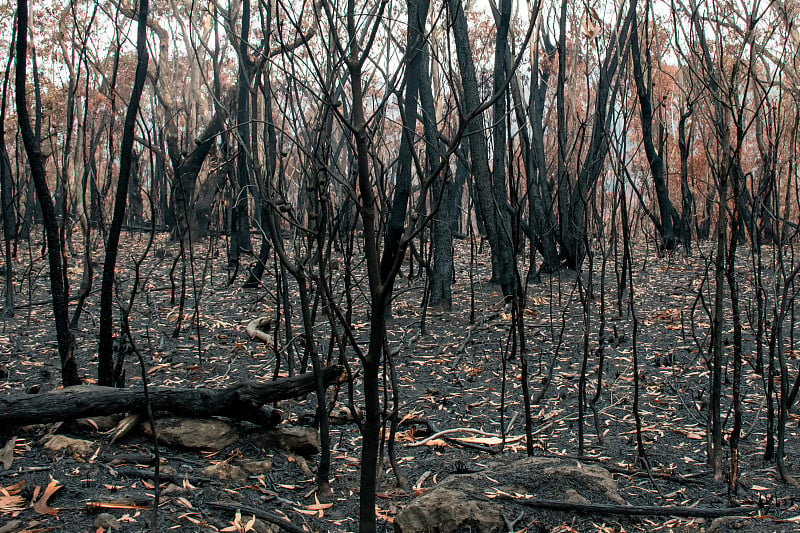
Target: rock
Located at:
point(468, 500)
point(573, 496)
point(226, 472)
point(11, 526)
point(446, 510)
point(197, 433)
point(300, 440)
point(106, 522)
point(173, 490)
point(101, 424)
point(62, 443)
point(259, 526)
point(256, 468)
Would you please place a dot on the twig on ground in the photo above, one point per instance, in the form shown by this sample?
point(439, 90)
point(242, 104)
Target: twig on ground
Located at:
point(264, 515)
point(631, 510)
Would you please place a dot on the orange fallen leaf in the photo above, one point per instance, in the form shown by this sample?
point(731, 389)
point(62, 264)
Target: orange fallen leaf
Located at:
point(307, 511)
point(318, 506)
point(41, 506)
point(12, 489)
point(10, 500)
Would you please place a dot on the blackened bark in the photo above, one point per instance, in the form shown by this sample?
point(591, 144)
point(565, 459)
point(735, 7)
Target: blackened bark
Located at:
point(725, 170)
point(7, 197)
point(447, 195)
point(9, 220)
point(668, 216)
point(543, 227)
point(395, 225)
point(763, 201)
point(240, 223)
point(445, 190)
point(186, 175)
point(573, 228)
point(241, 401)
point(136, 210)
point(687, 198)
point(256, 272)
point(58, 288)
point(563, 181)
point(494, 216)
point(502, 265)
point(105, 366)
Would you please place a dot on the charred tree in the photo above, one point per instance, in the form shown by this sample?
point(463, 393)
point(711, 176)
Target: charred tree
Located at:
point(58, 272)
point(572, 214)
point(668, 219)
point(105, 367)
point(496, 216)
point(7, 198)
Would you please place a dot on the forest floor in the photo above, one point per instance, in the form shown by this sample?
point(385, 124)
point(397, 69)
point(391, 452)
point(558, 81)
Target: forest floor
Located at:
point(453, 376)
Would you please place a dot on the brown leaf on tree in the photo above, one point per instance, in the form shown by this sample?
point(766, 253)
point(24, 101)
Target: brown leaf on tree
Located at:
point(41, 506)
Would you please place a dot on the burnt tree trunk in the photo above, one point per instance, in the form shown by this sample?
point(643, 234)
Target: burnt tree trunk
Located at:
point(58, 287)
point(242, 401)
point(7, 199)
point(573, 214)
point(495, 216)
point(687, 198)
point(642, 75)
point(105, 365)
point(542, 225)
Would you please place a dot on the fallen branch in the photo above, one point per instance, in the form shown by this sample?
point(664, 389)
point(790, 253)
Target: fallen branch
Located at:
point(263, 515)
point(241, 401)
point(258, 329)
point(461, 430)
point(631, 510)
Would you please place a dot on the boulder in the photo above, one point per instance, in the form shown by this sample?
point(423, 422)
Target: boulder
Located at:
point(301, 440)
point(195, 433)
point(474, 502)
point(447, 510)
point(62, 443)
point(256, 468)
point(226, 472)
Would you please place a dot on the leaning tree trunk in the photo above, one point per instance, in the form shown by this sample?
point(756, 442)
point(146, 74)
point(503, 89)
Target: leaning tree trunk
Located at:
point(58, 286)
point(396, 223)
point(542, 223)
point(105, 366)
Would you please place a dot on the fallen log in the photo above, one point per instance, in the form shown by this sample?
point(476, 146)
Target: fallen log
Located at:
point(241, 401)
point(633, 510)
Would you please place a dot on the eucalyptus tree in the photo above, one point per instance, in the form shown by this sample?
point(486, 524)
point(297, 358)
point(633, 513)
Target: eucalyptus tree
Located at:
point(58, 268)
point(573, 194)
point(653, 129)
point(490, 190)
point(105, 365)
point(7, 198)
